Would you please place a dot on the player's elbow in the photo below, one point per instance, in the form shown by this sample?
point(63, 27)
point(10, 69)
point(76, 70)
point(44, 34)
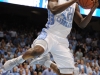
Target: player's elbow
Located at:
point(81, 26)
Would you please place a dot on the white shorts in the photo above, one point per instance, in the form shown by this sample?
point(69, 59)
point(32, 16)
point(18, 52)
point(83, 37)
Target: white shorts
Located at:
point(58, 47)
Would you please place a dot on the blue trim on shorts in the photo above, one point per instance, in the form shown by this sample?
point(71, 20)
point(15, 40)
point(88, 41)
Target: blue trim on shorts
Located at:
point(42, 35)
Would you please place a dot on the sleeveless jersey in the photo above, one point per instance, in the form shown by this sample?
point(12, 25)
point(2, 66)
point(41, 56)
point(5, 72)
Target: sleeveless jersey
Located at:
point(61, 23)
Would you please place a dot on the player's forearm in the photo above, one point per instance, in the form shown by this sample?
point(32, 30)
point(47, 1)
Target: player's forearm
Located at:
point(59, 8)
point(84, 22)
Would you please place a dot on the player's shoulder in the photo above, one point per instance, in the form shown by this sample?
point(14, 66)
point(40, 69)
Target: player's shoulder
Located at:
point(77, 6)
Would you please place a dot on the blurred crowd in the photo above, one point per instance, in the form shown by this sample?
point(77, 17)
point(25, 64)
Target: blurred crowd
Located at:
point(84, 45)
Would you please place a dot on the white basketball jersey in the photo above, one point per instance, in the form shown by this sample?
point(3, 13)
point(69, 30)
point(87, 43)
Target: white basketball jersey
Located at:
point(61, 24)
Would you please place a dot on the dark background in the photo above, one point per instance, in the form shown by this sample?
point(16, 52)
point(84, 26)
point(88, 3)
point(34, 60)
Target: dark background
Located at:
point(26, 16)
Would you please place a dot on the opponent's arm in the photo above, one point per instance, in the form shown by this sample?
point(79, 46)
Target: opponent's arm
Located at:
point(83, 22)
point(55, 8)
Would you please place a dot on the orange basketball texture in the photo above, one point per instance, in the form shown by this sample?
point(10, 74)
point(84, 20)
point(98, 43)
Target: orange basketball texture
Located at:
point(86, 4)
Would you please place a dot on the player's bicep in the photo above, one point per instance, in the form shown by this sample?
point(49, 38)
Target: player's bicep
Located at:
point(77, 16)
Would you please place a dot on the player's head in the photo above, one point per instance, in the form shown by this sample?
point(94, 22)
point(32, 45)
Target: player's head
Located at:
point(76, 64)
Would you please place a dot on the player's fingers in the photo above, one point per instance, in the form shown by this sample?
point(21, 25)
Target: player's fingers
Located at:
point(96, 4)
point(96, 1)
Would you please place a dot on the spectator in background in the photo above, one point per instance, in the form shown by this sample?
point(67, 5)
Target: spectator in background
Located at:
point(17, 40)
point(15, 55)
point(22, 43)
point(96, 54)
point(2, 51)
point(88, 47)
point(8, 56)
point(40, 73)
point(84, 48)
point(79, 54)
point(13, 34)
point(20, 51)
point(94, 42)
point(38, 68)
point(75, 58)
point(76, 69)
point(99, 62)
point(89, 70)
point(21, 69)
point(3, 43)
point(1, 72)
point(8, 37)
point(78, 46)
point(21, 72)
point(73, 32)
point(88, 40)
point(90, 55)
point(43, 68)
point(13, 49)
point(8, 49)
point(78, 62)
point(26, 67)
point(77, 40)
point(74, 43)
point(95, 62)
point(0, 63)
point(48, 72)
point(2, 57)
point(96, 71)
point(85, 58)
point(72, 51)
point(82, 66)
point(78, 36)
point(73, 46)
point(82, 72)
point(15, 71)
point(9, 43)
point(35, 73)
point(31, 70)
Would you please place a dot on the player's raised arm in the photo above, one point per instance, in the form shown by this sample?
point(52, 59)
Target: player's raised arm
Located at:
point(83, 22)
point(55, 8)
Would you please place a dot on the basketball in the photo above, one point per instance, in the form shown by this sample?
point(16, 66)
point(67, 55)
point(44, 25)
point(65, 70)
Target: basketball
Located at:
point(86, 4)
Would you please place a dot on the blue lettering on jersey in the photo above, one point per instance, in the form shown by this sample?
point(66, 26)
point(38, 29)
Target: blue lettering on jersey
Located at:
point(62, 20)
point(50, 19)
point(70, 14)
point(66, 18)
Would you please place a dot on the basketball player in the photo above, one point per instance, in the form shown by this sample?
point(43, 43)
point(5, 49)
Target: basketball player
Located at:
point(61, 14)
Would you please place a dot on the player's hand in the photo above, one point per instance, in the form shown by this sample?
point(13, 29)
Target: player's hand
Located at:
point(95, 5)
